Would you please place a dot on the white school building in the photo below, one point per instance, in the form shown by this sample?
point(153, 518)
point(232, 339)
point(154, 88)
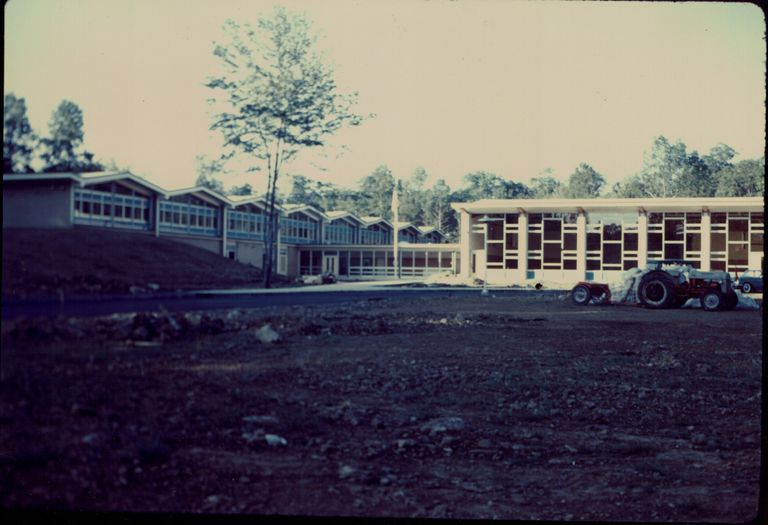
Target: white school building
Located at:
point(569, 240)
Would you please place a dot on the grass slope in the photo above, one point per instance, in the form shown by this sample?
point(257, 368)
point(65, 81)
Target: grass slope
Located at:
point(40, 262)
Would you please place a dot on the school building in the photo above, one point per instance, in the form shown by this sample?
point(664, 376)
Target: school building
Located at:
point(501, 241)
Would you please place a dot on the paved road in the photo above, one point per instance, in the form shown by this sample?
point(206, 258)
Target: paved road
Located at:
point(202, 301)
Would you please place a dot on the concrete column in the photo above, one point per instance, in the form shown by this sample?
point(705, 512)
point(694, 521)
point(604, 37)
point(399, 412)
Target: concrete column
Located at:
point(706, 240)
point(522, 243)
point(642, 239)
point(465, 239)
point(581, 244)
point(224, 227)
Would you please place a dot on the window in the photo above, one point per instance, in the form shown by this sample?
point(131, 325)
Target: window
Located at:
point(718, 242)
point(612, 253)
point(612, 232)
point(569, 264)
point(756, 242)
point(552, 230)
point(496, 230)
point(551, 253)
point(534, 241)
point(738, 255)
point(673, 251)
point(593, 242)
point(673, 230)
point(737, 230)
point(512, 241)
point(569, 241)
point(693, 242)
point(654, 242)
point(534, 264)
point(495, 252)
point(630, 242)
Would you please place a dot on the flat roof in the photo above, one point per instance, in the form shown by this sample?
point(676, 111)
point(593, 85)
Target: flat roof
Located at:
point(598, 204)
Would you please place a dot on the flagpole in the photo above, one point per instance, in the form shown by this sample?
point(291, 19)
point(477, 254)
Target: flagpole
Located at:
point(395, 232)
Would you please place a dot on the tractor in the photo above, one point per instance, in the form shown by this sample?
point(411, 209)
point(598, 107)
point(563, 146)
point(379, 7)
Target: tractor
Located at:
point(669, 283)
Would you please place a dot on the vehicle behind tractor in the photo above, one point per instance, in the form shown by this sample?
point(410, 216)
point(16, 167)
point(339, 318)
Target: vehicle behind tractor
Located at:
point(667, 284)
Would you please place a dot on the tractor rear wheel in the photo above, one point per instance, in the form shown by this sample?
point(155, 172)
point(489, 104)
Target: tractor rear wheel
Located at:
point(712, 300)
point(581, 294)
point(730, 300)
point(656, 290)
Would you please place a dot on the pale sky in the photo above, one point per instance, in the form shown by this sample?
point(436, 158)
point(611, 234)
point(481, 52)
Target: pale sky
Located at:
point(511, 87)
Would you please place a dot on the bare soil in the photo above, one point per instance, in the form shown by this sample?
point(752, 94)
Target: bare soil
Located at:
point(514, 408)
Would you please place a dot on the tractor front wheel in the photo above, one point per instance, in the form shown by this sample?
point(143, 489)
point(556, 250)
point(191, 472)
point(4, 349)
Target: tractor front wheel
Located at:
point(712, 300)
point(581, 295)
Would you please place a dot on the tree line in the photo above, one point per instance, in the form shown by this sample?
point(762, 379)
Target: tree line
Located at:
point(668, 171)
point(24, 151)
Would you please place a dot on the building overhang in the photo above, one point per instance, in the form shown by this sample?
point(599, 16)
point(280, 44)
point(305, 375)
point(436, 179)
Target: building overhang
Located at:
point(692, 204)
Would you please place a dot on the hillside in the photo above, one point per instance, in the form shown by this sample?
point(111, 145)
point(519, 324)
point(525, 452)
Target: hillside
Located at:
point(40, 262)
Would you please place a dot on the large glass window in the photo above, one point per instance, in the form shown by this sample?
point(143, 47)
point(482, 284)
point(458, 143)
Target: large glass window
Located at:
point(552, 230)
point(738, 230)
point(495, 252)
point(738, 255)
point(673, 230)
point(551, 253)
point(612, 253)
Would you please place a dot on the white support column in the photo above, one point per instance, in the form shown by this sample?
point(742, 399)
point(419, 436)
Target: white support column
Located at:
point(465, 240)
point(581, 244)
point(706, 240)
point(224, 226)
point(522, 244)
point(642, 239)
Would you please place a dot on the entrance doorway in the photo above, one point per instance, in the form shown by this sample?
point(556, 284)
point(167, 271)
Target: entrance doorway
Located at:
point(331, 264)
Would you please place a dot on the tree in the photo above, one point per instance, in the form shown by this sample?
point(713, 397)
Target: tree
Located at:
point(745, 179)
point(584, 183)
point(18, 137)
point(485, 185)
point(207, 169)
point(438, 205)
point(544, 186)
point(245, 189)
point(670, 171)
point(63, 149)
point(278, 97)
point(376, 192)
point(413, 197)
point(719, 157)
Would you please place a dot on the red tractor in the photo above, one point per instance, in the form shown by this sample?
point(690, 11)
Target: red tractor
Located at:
point(668, 284)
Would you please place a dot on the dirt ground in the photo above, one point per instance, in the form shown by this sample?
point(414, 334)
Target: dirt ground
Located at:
point(516, 408)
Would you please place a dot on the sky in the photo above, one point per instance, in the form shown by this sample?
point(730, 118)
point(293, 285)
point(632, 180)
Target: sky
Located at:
point(510, 87)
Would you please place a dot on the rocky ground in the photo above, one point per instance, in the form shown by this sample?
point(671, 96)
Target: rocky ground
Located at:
point(517, 408)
